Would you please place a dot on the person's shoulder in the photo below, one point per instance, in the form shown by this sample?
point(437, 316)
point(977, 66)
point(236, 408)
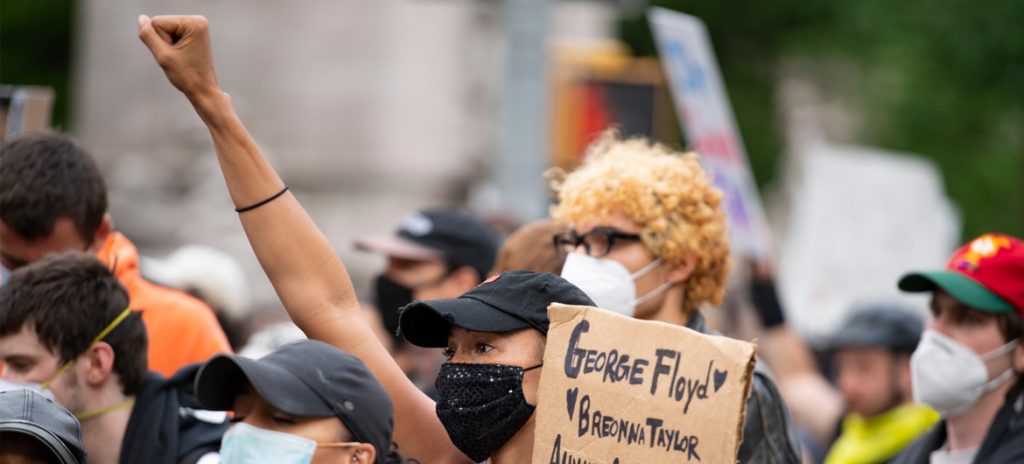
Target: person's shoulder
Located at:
point(767, 432)
point(762, 383)
point(153, 294)
point(920, 450)
point(174, 308)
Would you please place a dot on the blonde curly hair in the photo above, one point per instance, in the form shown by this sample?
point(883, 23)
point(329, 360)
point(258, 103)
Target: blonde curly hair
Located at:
point(666, 192)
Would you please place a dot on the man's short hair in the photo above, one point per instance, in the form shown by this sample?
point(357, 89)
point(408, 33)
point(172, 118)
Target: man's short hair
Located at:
point(68, 299)
point(46, 176)
point(530, 248)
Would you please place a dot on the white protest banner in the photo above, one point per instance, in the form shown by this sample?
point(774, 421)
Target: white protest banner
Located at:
point(618, 390)
point(709, 124)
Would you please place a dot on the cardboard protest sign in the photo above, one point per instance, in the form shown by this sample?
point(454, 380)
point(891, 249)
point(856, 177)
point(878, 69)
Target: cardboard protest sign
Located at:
point(24, 110)
point(710, 126)
point(617, 390)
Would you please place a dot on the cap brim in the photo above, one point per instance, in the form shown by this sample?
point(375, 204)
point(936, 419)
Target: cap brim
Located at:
point(398, 247)
point(220, 380)
point(52, 442)
point(428, 323)
point(961, 287)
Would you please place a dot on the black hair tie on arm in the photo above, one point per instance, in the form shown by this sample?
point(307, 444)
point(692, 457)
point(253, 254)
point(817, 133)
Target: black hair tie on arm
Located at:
point(261, 203)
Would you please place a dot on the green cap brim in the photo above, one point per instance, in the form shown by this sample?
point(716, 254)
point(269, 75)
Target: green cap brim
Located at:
point(961, 287)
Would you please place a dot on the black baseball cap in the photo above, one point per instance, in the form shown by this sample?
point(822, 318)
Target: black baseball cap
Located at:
point(25, 411)
point(450, 234)
point(504, 302)
point(307, 378)
point(880, 326)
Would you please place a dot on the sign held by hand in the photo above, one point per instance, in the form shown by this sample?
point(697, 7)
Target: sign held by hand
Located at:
point(617, 390)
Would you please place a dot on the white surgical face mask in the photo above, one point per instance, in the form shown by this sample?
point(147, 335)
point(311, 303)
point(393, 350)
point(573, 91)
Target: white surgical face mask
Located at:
point(951, 377)
point(6, 385)
point(609, 283)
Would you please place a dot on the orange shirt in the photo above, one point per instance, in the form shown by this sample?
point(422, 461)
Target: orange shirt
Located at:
point(181, 329)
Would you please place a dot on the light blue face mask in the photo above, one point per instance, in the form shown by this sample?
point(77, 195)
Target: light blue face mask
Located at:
point(246, 444)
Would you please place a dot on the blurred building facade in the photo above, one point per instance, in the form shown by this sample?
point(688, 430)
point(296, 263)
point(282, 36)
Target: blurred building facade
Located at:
point(368, 110)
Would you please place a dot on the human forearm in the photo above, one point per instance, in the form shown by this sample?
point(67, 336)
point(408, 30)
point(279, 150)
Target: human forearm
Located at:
point(309, 278)
point(306, 273)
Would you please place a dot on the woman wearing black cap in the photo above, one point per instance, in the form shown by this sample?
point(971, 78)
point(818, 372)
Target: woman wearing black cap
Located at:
point(307, 402)
point(494, 333)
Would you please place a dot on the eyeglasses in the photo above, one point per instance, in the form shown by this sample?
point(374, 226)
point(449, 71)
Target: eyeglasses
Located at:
point(597, 243)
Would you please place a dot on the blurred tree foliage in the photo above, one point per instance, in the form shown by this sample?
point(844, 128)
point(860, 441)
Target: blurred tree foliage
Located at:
point(35, 48)
point(942, 78)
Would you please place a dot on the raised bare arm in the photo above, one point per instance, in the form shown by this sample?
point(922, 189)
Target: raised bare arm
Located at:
point(308, 276)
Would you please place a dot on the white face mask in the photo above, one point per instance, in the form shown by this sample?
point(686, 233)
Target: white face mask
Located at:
point(244, 443)
point(949, 376)
point(609, 283)
point(7, 385)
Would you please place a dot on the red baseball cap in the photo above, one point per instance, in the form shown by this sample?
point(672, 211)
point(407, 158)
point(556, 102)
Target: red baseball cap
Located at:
point(986, 274)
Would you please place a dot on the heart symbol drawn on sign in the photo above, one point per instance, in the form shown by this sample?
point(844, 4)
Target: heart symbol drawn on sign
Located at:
point(720, 378)
point(570, 399)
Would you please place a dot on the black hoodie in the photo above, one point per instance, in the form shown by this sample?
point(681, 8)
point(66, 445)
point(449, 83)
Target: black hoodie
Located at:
point(1003, 443)
point(164, 427)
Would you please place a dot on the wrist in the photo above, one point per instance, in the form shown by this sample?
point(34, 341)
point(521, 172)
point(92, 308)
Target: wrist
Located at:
point(210, 104)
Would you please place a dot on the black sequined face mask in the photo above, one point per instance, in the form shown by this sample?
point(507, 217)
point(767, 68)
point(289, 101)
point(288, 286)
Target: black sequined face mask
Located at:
point(481, 406)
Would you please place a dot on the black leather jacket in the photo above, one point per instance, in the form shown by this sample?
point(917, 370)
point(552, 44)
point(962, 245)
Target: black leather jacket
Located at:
point(767, 433)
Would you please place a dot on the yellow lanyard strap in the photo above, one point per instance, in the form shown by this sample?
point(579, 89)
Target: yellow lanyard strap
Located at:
point(106, 331)
point(99, 412)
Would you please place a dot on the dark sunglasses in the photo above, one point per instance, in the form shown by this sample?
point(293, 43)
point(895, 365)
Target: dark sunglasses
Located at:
point(597, 243)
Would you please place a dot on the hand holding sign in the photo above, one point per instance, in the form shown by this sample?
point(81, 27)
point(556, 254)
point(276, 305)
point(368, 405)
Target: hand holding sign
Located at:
point(181, 46)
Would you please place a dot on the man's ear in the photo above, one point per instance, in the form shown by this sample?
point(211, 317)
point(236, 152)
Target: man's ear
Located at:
point(364, 454)
point(102, 233)
point(1018, 358)
point(903, 376)
point(98, 362)
point(464, 279)
point(683, 270)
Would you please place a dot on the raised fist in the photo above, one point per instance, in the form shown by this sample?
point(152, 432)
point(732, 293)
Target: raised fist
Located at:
point(181, 46)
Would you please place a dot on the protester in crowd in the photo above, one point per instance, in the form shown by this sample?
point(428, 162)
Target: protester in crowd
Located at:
point(305, 402)
point(871, 359)
point(529, 248)
point(434, 253)
point(816, 405)
point(53, 199)
point(316, 291)
point(212, 276)
point(65, 323)
point(648, 240)
point(969, 362)
point(35, 429)
point(493, 337)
